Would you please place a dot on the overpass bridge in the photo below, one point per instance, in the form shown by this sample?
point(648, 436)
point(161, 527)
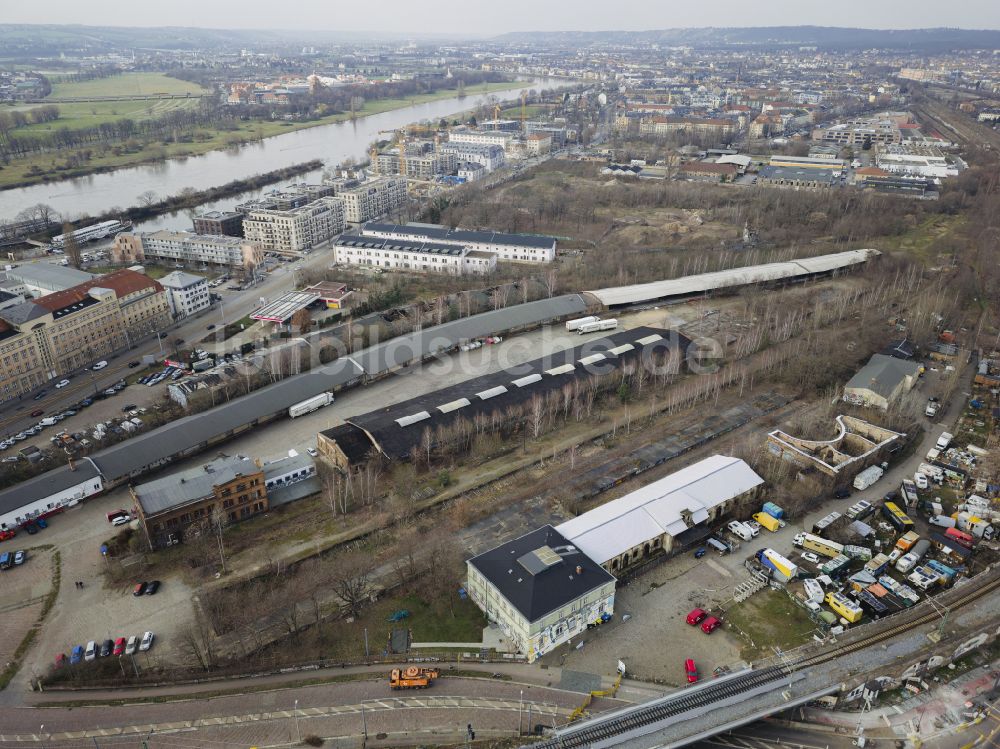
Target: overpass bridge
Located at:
point(712, 707)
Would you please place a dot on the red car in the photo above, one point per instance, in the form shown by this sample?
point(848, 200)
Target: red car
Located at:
point(37, 412)
point(710, 625)
point(4, 535)
point(691, 670)
point(60, 660)
point(119, 646)
point(696, 617)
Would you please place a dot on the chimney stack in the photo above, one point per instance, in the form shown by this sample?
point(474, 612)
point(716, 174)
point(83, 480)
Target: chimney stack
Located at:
point(579, 569)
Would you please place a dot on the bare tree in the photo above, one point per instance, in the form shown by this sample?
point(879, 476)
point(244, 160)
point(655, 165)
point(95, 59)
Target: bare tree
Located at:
point(551, 281)
point(70, 246)
point(351, 579)
point(147, 198)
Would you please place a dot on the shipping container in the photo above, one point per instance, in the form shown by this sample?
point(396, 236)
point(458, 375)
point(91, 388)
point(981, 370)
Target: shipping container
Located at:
point(965, 539)
point(877, 564)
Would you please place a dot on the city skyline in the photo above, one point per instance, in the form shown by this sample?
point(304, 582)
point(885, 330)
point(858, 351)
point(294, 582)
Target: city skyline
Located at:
point(453, 17)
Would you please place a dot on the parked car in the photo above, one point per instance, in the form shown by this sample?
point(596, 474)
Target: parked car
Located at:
point(62, 384)
point(696, 617)
point(211, 327)
point(39, 395)
point(106, 647)
point(700, 552)
point(42, 523)
point(31, 528)
point(810, 557)
point(61, 660)
point(37, 412)
point(152, 587)
point(121, 520)
point(19, 557)
point(76, 654)
point(710, 625)
point(119, 646)
point(147, 642)
point(842, 493)
point(128, 407)
point(100, 365)
point(132, 645)
point(691, 671)
point(4, 535)
point(91, 653)
point(139, 589)
point(313, 452)
point(133, 364)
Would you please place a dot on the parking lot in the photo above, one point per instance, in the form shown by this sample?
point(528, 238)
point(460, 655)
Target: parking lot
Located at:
point(23, 589)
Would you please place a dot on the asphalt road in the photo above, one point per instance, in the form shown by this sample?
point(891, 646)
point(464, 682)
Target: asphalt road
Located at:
point(14, 416)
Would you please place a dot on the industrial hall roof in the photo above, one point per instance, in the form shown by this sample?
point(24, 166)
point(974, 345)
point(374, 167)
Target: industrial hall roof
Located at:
point(183, 487)
point(699, 284)
point(397, 428)
point(668, 506)
point(540, 572)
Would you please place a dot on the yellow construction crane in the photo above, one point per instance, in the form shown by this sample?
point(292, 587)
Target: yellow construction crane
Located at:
point(497, 111)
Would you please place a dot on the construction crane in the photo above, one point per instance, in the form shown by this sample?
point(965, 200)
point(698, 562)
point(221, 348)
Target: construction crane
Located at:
point(497, 111)
point(524, 108)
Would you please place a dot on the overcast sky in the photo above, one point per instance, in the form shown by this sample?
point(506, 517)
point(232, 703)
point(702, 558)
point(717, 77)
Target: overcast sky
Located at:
point(490, 17)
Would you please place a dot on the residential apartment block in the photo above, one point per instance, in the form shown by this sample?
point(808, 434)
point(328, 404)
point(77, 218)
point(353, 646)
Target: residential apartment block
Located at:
point(372, 199)
point(186, 293)
point(44, 338)
point(420, 256)
point(219, 223)
point(520, 248)
point(185, 247)
point(298, 229)
point(483, 137)
point(490, 156)
point(228, 490)
point(707, 127)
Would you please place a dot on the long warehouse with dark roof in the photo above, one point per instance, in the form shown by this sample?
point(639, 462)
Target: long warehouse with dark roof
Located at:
point(397, 429)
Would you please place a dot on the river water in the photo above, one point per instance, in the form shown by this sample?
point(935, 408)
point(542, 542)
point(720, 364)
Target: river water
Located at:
point(331, 143)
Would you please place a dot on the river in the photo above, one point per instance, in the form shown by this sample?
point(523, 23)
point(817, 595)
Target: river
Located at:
point(331, 143)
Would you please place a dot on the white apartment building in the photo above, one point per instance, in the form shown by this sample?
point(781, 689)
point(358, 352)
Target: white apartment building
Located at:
point(482, 137)
point(424, 257)
point(185, 247)
point(372, 199)
point(296, 230)
point(491, 156)
point(518, 248)
point(186, 293)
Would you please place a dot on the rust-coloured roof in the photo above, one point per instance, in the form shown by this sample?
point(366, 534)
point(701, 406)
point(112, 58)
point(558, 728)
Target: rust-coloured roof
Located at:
point(704, 166)
point(122, 282)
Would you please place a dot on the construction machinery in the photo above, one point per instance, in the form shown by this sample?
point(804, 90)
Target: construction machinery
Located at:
point(412, 677)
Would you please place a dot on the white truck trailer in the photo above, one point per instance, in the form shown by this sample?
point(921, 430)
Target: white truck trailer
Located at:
point(572, 325)
point(867, 477)
point(310, 404)
point(594, 327)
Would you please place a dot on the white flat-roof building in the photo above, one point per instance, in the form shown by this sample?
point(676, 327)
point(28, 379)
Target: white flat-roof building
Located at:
point(186, 293)
point(653, 518)
point(297, 229)
point(409, 255)
point(39, 279)
point(484, 137)
point(490, 155)
point(521, 248)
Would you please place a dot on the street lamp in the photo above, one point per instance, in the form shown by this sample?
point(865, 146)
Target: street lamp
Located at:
point(520, 708)
point(298, 736)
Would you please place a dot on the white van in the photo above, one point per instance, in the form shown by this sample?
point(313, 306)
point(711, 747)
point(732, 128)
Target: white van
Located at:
point(99, 365)
point(739, 529)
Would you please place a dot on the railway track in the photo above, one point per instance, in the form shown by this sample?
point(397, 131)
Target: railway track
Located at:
point(598, 731)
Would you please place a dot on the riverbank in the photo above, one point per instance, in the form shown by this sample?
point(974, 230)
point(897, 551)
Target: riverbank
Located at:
point(73, 163)
point(194, 199)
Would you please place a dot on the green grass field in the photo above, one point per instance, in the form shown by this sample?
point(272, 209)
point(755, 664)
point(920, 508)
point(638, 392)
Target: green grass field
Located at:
point(17, 172)
point(125, 84)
